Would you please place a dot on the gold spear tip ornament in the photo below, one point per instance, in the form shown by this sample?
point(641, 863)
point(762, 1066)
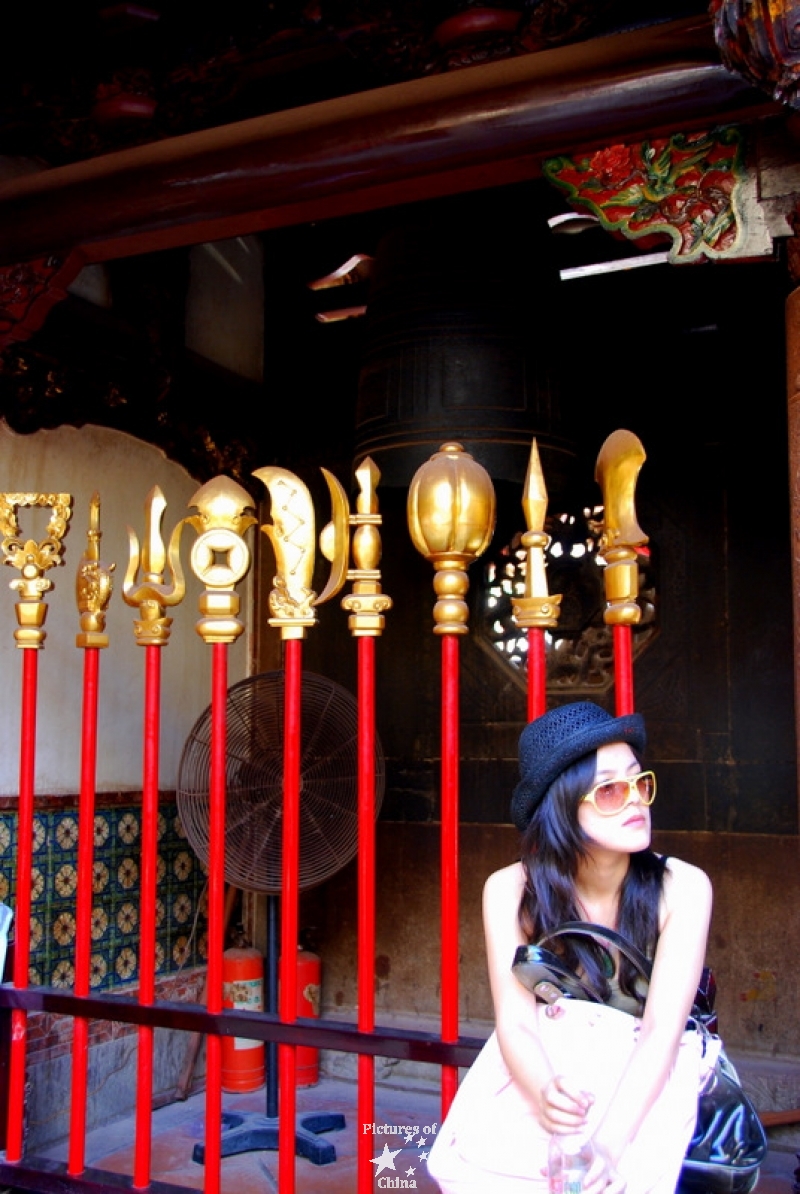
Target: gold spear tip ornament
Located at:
point(451, 517)
point(618, 465)
point(536, 607)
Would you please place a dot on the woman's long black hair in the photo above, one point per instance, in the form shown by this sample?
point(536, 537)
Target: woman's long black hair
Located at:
point(552, 847)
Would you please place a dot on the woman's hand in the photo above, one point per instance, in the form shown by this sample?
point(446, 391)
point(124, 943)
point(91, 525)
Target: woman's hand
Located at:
point(602, 1177)
point(562, 1107)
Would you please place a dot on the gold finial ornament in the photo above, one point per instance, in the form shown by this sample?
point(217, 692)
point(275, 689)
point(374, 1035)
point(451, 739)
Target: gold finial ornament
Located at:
point(537, 607)
point(291, 534)
point(153, 594)
point(33, 559)
point(618, 465)
point(451, 516)
point(220, 557)
point(93, 584)
point(366, 604)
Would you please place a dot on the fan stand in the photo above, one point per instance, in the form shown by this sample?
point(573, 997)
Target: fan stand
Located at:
point(246, 1131)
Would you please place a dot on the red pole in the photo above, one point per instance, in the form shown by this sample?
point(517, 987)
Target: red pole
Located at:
point(83, 913)
point(22, 915)
point(537, 673)
point(147, 946)
point(623, 669)
point(449, 858)
point(290, 866)
point(366, 902)
point(216, 915)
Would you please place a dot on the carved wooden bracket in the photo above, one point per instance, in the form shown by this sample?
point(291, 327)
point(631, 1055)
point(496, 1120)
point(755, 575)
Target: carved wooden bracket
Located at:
point(685, 186)
point(30, 289)
point(760, 40)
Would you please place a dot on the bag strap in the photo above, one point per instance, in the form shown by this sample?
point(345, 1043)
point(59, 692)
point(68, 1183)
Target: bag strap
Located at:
point(583, 928)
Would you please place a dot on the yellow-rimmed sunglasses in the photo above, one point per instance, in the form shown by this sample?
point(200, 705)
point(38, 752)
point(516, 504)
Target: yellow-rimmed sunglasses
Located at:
point(613, 795)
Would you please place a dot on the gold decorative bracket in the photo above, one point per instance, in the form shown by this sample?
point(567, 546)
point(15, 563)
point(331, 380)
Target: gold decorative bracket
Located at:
point(33, 559)
point(153, 594)
point(618, 465)
point(451, 517)
point(366, 604)
point(220, 557)
point(537, 607)
point(93, 585)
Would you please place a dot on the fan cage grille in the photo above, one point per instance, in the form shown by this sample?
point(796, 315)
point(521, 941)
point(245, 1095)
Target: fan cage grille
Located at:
point(254, 777)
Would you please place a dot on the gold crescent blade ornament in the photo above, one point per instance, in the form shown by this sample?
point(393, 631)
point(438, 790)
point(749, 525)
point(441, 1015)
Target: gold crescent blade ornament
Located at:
point(220, 556)
point(154, 594)
point(291, 533)
point(536, 607)
point(93, 585)
point(334, 538)
point(451, 517)
point(618, 465)
point(33, 559)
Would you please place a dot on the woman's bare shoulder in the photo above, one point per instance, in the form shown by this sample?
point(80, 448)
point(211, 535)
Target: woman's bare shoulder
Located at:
point(506, 884)
point(685, 882)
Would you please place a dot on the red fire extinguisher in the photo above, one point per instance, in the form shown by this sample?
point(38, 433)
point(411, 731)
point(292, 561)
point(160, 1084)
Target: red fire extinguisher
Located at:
point(309, 975)
point(242, 987)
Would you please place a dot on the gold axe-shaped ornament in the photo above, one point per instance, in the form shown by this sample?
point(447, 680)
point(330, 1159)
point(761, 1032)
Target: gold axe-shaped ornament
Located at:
point(616, 472)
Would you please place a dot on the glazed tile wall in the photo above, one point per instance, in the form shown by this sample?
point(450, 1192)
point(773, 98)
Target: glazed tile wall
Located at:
point(181, 932)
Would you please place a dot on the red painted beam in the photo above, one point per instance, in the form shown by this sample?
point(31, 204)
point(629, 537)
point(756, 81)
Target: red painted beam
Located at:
point(479, 126)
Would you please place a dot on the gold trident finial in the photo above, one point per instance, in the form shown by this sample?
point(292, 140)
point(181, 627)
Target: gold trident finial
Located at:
point(537, 607)
point(153, 595)
point(367, 604)
point(451, 515)
point(618, 465)
point(220, 557)
point(93, 584)
point(33, 559)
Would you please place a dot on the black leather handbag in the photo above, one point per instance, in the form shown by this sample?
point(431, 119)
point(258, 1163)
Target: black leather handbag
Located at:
point(729, 1143)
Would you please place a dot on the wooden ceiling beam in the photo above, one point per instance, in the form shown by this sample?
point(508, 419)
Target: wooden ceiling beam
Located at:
point(479, 126)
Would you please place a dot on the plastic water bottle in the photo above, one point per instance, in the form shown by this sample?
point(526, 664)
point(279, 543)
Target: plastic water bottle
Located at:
point(568, 1162)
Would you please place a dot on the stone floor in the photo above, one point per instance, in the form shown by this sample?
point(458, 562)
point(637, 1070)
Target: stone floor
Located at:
point(178, 1127)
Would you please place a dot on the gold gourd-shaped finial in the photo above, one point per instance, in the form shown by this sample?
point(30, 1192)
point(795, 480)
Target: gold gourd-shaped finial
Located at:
point(451, 517)
point(537, 607)
point(93, 584)
point(33, 559)
point(220, 556)
point(618, 465)
point(366, 604)
point(153, 594)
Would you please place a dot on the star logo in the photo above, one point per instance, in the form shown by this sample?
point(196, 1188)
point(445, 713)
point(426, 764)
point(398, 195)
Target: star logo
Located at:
point(409, 1137)
point(423, 1156)
point(410, 1171)
point(385, 1160)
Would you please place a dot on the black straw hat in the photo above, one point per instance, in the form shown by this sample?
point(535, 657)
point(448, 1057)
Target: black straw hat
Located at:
point(551, 743)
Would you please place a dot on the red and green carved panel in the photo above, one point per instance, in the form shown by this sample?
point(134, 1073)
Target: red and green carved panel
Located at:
point(684, 186)
point(29, 289)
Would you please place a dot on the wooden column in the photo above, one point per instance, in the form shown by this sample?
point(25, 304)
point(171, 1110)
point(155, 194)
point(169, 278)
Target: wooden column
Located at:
point(793, 397)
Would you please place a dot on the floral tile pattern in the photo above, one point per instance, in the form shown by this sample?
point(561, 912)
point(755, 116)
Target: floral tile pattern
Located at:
point(181, 926)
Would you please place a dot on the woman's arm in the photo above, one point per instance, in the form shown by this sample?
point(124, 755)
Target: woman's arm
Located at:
point(685, 917)
point(557, 1105)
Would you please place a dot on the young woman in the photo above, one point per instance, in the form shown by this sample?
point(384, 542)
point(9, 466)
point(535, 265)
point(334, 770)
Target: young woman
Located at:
point(624, 1073)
